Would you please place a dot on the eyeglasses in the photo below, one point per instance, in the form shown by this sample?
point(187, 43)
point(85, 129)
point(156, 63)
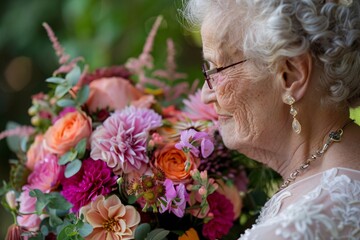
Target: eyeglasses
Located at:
point(207, 71)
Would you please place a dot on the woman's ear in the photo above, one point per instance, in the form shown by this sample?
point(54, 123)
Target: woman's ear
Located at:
point(296, 75)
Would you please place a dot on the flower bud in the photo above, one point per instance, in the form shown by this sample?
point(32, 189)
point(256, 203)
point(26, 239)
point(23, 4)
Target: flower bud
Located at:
point(202, 191)
point(32, 111)
point(11, 199)
point(203, 175)
point(35, 120)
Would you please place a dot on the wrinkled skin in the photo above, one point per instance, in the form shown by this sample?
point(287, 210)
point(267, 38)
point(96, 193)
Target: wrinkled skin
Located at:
point(247, 107)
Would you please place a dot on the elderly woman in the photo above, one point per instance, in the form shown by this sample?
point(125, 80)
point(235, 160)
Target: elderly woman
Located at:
point(282, 75)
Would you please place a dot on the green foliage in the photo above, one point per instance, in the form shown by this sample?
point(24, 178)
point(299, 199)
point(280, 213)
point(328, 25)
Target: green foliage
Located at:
point(142, 231)
point(72, 168)
point(157, 234)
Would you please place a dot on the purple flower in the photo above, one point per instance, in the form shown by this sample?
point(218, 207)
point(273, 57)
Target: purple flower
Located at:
point(65, 111)
point(175, 198)
point(93, 179)
point(222, 210)
point(191, 140)
point(121, 140)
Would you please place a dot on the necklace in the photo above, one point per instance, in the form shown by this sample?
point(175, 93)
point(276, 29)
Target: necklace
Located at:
point(334, 136)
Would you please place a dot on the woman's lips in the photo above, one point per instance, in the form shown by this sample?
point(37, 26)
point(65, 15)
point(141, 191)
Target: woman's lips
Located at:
point(224, 117)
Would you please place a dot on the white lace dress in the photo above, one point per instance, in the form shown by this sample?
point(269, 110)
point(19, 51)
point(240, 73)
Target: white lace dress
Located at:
point(323, 206)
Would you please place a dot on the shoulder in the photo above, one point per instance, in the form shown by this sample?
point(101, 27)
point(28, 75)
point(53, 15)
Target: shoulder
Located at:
point(325, 206)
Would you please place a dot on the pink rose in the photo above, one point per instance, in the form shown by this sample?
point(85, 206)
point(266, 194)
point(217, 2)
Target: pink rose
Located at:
point(112, 92)
point(27, 205)
point(46, 175)
point(36, 152)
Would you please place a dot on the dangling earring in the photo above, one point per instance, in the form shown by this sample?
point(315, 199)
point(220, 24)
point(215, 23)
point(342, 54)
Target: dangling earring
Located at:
point(296, 126)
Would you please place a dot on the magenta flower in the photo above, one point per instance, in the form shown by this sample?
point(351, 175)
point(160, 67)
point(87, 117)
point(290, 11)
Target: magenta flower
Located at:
point(196, 110)
point(94, 178)
point(175, 198)
point(46, 175)
point(222, 210)
point(65, 111)
point(191, 140)
point(121, 140)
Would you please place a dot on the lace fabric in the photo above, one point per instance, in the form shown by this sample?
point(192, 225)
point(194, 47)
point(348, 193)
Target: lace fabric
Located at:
point(323, 206)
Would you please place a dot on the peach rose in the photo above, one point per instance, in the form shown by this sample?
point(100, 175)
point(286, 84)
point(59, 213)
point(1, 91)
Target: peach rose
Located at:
point(36, 152)
point(114, 92)
point(172, 161)
point(233, 194)
point(67, 132)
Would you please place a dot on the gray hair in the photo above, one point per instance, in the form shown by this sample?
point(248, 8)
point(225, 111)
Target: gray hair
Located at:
point(272, 30)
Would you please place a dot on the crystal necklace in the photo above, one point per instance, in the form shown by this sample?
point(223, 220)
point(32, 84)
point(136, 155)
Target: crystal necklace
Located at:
point(334, 136)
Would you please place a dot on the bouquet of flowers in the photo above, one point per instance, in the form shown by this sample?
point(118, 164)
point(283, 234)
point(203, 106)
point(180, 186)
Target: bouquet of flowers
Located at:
point(114, 154)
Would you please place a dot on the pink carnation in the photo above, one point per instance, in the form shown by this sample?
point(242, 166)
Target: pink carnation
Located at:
point(121, 140)
point(46, 175)
point(222, 210)
point(196, 110)
point(93, 179)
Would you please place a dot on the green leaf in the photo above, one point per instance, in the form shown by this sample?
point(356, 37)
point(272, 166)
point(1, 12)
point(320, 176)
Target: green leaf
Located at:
point(85, 229)
point(81, 148)
point(55, 80)
point(72, 168)
point(67, 157)
point(82, 95)
point(67, 232)
point(65, 103)
point(61, 90)
point(55, 220)
point(58, 202)
point(42, 200)
point(44, 230)
point(13, 141)
point(157, 234)
point(73, 76)
point(132, 199)
point(142, 231)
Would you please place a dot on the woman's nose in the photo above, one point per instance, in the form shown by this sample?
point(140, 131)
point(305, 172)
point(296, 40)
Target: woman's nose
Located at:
point(207, 95)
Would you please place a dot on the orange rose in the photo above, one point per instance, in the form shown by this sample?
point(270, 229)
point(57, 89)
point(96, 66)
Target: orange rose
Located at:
point(36, 152)
point(115, 93)
point(233, 194)
point(190, 234)
point(67, 132)
point(172, 161)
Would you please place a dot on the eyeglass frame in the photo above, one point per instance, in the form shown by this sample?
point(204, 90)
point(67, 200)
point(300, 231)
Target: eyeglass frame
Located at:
point(209, 72)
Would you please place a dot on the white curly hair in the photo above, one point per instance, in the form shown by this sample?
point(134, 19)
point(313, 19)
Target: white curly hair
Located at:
point(272, 30)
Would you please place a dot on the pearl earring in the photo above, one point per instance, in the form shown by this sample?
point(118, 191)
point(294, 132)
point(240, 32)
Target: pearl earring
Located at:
point(296, 126)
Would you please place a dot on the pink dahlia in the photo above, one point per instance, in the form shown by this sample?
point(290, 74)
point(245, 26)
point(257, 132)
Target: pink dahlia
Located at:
point(94, 178)
point(121, 140)
point(196, 110)
point(222, 210)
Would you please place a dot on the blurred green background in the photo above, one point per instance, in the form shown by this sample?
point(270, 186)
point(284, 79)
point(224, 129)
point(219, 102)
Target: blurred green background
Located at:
point(104, 32)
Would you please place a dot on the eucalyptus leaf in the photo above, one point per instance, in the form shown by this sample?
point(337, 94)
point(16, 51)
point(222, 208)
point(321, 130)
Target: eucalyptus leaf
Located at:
point(61, 90)
point(44, 230)
point(85, 229)
point(72, 168)
point(13, 142)
point(142, 231)
point(81, 148)
point(157, 234)
point(67, 157)
point(65, 103)
point(55, 80)
point(55, 220)
point(58, 202)
point(73, 76)
point(82, 95)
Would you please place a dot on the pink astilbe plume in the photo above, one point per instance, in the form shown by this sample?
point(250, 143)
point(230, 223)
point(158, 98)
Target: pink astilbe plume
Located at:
point(19, 131)
point(65, 65)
